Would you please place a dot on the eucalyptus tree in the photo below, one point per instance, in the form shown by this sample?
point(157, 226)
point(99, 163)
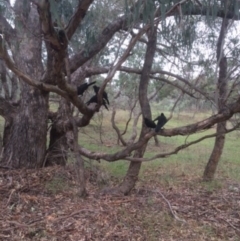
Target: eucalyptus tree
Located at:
point(53, 46)
point(226, 84)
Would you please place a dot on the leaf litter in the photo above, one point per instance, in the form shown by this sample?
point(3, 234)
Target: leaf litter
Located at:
point(44, 205)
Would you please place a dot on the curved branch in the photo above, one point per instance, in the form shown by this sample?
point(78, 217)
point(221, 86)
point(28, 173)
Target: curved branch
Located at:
point(116, 128)
point(173, 83)
point(87, 53)
point(101, 70)
point(182, 80)
point(179, 148)
point(78, 16)
point(10, 64)
point(118, 155)
point(130, 117)
point(47, 27)
point(134, 129)
point(185, 130)
point(174, 106)
point(67, 91)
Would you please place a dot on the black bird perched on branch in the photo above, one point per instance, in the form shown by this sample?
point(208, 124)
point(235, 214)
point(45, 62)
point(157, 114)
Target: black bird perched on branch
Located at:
point(149, 123)
point(105, 96)
point(162, 120)
point(83, 87)
point(94, 99)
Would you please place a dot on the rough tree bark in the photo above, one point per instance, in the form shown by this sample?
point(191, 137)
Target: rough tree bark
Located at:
point(79, 161)
point(58, 145)
point(3, 75)
point(26, 142)
point(132, 174)
point(215, 157)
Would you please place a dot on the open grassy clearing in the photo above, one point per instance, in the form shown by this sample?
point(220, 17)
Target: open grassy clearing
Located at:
point(44, 204)
point(191, 160)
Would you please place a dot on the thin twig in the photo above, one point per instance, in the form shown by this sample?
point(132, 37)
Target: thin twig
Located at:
point(235, 228)
point(170, 206)
point(10, 197)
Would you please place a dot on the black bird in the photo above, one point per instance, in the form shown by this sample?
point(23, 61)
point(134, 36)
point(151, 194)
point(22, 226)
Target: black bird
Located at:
point(149, 123)
point(83, 87)
point(105, 96)
point(94, 99)
point(162, 120)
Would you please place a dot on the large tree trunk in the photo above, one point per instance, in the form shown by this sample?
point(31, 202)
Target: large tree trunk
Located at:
point(25, 145)
point(58, 145)
point(216, 153)
point(132, 174)
point(222, 92)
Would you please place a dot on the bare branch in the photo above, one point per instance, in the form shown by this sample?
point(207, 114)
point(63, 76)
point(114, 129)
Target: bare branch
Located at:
point(10, 64)
point(116, 128)
point(134, 129)
point(122, 59)
point(173, 83)
point(50, 34)
point(68, 93)
point(88, 52)
point(175, 104)
point(179, 148)
point(170, 207)
point(130, 117)
point(100, 70)
point(185, 130)
point(184, 81)
point(78, 16)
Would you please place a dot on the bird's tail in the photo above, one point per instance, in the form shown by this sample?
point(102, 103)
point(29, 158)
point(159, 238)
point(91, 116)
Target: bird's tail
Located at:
point(105, 105)
point(92, 83)
point(107, 101)
point(158, 128)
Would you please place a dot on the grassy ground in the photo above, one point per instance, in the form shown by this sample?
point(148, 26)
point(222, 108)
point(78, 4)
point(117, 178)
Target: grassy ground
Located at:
point(170, 201)
point(189, 161)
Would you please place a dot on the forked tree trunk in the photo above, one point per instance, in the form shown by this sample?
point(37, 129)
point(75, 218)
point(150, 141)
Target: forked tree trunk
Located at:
point(222, 92)
point(57, 151)
point(58, 146)
point(133, 171)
